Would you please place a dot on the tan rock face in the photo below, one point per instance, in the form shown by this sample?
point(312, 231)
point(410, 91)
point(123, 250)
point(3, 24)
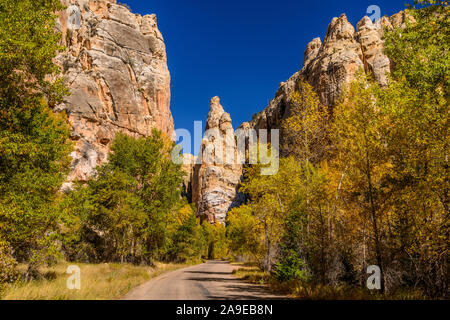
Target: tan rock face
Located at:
point(116, 68)
point(330, 65)
point(216, 179)
point(369, 35)
point(336, 62)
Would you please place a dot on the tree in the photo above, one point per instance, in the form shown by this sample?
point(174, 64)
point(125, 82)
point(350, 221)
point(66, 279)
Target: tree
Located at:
point(362, 155)
point(289, 213)
point(8, 264)
point(188, 242)
point(28, 44)
point(245, 233)
point(127, 212)
point(216, 240)
point(305, 131)
point(369, 185)
point(256, 228)
point(34, 141)
point(396, 141)
point(416, 102)
point(159, 180)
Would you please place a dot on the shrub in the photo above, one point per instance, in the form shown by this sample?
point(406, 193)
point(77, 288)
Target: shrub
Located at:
point(7, 263)
point(292, 267)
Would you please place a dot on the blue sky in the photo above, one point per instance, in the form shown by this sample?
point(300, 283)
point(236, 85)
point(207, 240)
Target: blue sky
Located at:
point(240, 50)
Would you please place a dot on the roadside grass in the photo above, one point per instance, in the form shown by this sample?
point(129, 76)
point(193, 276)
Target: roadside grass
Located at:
point(311, 291)
point(107, 281)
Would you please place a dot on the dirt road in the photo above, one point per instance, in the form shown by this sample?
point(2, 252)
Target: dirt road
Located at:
point(209, 281)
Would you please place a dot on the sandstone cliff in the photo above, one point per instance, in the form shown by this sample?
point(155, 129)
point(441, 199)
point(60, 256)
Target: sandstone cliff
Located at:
point(330, 65)
point(216, 179)
point(116, 68)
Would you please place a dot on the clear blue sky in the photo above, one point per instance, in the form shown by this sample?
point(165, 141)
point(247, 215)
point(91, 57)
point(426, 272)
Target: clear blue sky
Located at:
point(240, 50)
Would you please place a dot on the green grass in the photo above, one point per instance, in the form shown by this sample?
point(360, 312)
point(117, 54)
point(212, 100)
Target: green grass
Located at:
point(106, 281)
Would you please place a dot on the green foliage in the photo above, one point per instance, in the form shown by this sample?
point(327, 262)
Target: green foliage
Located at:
point(28, 43)
point(188, 242)
point(428, 38)
point(291, 267)
point(34, 144)
point(417, 138)
point(289, 211)
point(7, 264)
point(369, 186)
point(215, 237)
point(132, 210)
point(126, 213)
point(191, 241)
point(158, 178)
point(243, 232)
point(33, 164)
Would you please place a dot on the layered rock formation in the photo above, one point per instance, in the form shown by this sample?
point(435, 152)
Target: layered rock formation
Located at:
point(330, 65)
point(116, 68)
point(216, 179)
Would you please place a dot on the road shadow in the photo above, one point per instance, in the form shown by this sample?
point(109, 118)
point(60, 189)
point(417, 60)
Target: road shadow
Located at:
point(235, 288)
point(253, 292)
point(207, 272)
point(212, 279)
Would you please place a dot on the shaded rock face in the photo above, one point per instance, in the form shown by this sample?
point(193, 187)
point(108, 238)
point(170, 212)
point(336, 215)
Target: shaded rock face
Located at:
point(216, 179)
point(115, 66)
point(188, 167)
point(330, 65)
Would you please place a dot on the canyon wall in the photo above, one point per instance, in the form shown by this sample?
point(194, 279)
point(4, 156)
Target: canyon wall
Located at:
point(115, 65)
point(330, 65)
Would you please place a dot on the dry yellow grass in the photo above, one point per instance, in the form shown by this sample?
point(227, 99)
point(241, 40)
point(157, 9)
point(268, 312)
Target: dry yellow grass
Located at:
point(310, 291)
point(98, 282)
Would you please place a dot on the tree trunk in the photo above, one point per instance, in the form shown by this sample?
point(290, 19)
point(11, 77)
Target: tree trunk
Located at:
point(375, 224)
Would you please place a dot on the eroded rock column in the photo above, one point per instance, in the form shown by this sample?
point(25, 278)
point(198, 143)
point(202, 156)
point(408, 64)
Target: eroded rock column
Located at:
point(217, 177)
